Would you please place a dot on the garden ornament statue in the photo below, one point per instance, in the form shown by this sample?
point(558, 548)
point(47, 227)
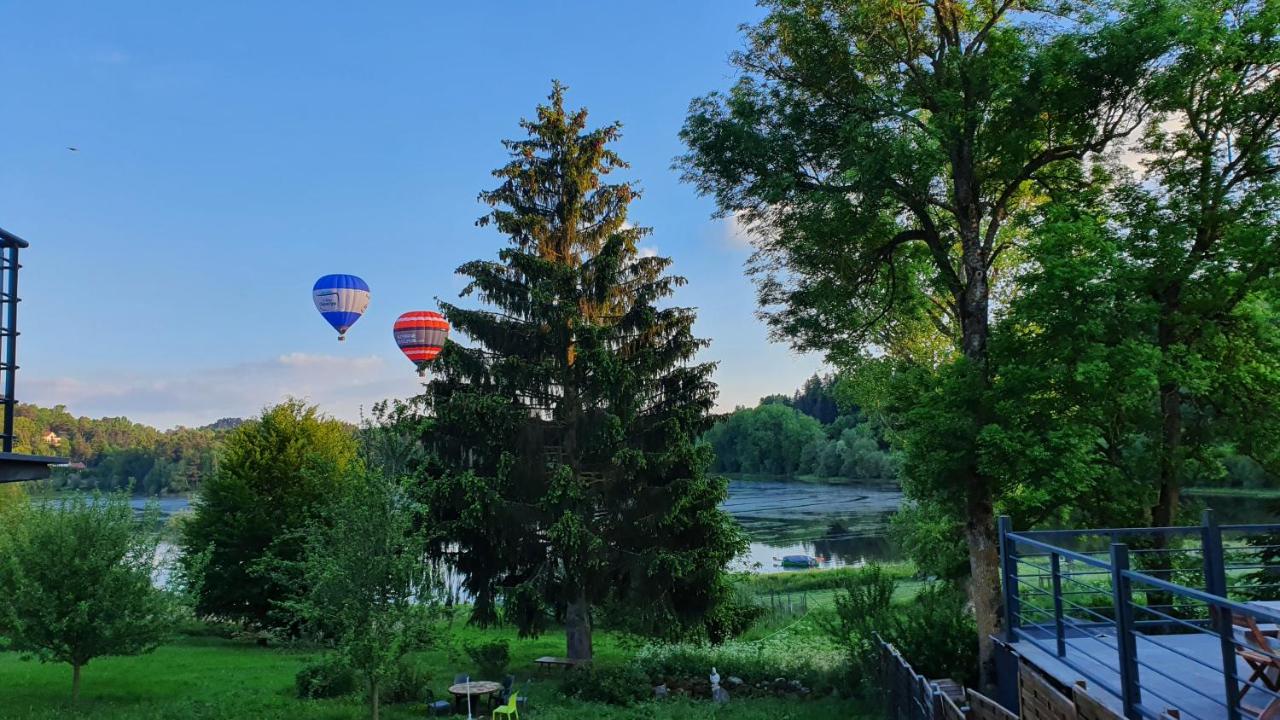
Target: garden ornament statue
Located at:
point(718, 694)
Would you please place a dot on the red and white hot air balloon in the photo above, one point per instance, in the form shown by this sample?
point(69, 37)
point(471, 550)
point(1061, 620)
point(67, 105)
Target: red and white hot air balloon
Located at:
point(421, 335)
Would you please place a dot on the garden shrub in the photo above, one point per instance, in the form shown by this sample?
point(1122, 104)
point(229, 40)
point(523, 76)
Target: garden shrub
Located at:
point(491, 658)
point(819, 666)
point(328, 677)
point(731, 619)
point(936, 632)
point(407, 684)
point(615, 685)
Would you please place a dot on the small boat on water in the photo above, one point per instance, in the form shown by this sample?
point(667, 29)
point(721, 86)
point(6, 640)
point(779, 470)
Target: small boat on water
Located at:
point(799, 561)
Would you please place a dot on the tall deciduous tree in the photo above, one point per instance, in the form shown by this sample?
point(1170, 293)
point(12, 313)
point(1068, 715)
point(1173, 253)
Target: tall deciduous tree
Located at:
point(276, 471)
point(76, 579)
point(1205, 240)
point(883, 149)
point(1145, 340)
point(368, 582)
point(569, 470)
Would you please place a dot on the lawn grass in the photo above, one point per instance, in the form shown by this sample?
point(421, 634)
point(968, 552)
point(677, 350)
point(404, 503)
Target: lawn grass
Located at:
point(213, 678)
point(825, 579)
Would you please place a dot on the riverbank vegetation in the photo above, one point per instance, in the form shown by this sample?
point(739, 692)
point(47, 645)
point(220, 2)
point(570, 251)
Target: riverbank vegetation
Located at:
point(807, 434)
point(117, 454)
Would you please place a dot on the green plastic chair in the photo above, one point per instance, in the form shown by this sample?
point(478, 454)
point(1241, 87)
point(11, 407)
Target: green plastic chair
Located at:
point(510, 709)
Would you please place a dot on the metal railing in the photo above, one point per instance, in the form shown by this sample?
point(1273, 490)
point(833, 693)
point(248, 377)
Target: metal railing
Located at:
point(1107, 603)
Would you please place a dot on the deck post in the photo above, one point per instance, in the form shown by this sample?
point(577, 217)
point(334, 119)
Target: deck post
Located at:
point(1009, 563)
point(1126, 642)
point(1215, 583)
point(1055, 569)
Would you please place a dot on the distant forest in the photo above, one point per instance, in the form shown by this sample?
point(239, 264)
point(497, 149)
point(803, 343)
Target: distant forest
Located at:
point(116, 453)
point(807, 433)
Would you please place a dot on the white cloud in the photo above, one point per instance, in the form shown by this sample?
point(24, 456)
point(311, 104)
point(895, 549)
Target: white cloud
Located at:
point(339, 386)
point(736, 232)
point(646, 251)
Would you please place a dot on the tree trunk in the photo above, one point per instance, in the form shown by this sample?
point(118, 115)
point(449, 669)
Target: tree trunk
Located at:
point(1165, 512)
point(980, 530)
point(984, 580)
point(75, 682)
point(373, 700)
point(577, 628)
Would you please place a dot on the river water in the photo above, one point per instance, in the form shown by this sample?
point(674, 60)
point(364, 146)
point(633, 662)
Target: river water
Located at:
point(836, 524)
point(839, 524)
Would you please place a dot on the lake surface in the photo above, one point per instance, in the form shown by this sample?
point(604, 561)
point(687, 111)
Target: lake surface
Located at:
point(841, 524)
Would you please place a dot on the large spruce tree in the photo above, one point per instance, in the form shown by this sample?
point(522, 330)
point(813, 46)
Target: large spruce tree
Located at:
point(568, 471)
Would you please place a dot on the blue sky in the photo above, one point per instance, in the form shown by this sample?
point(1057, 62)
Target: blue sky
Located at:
point(232, 152)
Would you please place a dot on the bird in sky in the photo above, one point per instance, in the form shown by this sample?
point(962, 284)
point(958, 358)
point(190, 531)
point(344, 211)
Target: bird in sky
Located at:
point(73, 149)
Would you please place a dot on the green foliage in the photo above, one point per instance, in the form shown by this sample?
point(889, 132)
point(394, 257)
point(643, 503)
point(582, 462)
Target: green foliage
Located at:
point(207, 678)
point(407, 683)
point(490, 658)
point(328, 677)
point(614, 685)
point(930, 535)
point(76, 579)
point(817, 665)
point(801, 435)
point(118, 454)
point(935, 632)
point(810, 580)
point(276, 471)
point(864, 612)
point(566, 471)
point(368, 585)
point(732, 618)
point(767, 439)
point(888, 160)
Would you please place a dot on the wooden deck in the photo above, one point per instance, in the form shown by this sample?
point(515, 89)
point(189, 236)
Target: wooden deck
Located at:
point(1201, 695)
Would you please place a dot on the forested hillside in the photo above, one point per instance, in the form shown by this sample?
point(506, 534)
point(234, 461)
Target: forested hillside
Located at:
point(806, 433)
point(114, 453)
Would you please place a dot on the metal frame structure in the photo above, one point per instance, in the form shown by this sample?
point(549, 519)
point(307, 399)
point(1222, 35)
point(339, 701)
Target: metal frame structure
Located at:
point(14, 467)
point(1136, 601)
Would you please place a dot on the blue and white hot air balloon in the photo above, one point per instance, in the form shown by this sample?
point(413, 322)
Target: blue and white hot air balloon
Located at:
point(341, 299)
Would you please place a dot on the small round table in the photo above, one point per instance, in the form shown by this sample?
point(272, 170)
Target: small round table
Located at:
point(476, 689)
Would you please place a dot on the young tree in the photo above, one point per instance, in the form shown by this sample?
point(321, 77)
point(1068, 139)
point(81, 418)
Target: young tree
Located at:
point(77, 579)
point(275, 471)
point(369, 585)
point(883, 150)
point(569, 472)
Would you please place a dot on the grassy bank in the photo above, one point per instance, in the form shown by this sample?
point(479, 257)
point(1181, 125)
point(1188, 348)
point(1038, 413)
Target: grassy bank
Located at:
point(880, 484)
point(1258, 493)
point(210, 678)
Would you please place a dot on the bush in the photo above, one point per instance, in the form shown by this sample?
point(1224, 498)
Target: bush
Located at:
point(407, 684)
point(938, 635)
point(863, 610)
point(935, 633)
point(326, 678)
point(821, 667)
point(621, 685)
point(491, 658)
point(732, 618)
